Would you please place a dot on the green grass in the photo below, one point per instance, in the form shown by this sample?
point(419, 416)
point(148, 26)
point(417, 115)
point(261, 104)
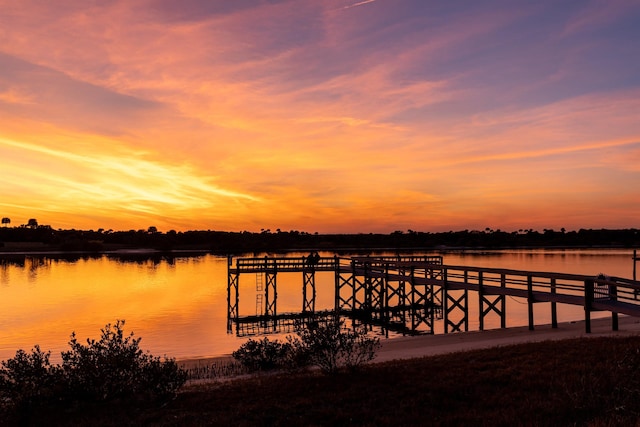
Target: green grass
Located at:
point(594, 381)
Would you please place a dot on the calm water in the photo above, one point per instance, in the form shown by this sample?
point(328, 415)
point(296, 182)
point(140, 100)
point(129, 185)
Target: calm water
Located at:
point(178, 306)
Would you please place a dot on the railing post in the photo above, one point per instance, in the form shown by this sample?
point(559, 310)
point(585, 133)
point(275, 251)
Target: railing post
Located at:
point(530, 300)
point(353, 286)
point(304, 285)
point(588, 300)
point(337, 284)
point(445, 301)
point(554, 309)
point(230, 312)
point(466, 297)
point(503, 308)
point(613, 296)
point(267, 302)
point(385, 300)
point(466, 310)
point(480, 300)
point(368, 291)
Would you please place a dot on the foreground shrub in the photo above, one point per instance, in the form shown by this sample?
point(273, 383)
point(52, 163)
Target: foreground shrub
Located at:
point(263, 355)
point(331, 346)
point(116, 367)
point(113, 367)
point(28, 378)
point(328, 345)
point(160, 378)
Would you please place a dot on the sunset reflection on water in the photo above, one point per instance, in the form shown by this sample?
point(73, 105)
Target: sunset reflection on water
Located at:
point(178, 305)
point(167, 302)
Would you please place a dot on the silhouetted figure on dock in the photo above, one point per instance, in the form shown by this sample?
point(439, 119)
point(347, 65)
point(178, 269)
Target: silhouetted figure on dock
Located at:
point(313, 258)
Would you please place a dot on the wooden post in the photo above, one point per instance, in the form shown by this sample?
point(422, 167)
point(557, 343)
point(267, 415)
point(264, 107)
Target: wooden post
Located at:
point(385, 300)
point(530, 300)
point(466, 310)
point(480, 301)
point(337, 278)
point(354, 286)
point(304, 290)
point(503, 310)
point(368, 290)
point(588, 298)
point(237, 306)
point(613, 296)
point(229, 310)
point(413, 313)
point(554, 310)
point(430, 293)
point(265, 268)
point(635, 259)
point(445, 301)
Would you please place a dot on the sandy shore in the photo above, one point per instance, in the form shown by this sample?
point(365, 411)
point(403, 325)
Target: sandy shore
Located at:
point(428, 345)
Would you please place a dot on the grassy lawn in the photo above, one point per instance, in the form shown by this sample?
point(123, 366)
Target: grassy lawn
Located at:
point(593, 381)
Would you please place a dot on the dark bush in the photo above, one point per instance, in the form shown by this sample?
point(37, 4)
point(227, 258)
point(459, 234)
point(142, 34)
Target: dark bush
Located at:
point(28, 379)
point(161, 378)
point(331, 346)
point(114, 367)
point(328, 345)
point(263, 355)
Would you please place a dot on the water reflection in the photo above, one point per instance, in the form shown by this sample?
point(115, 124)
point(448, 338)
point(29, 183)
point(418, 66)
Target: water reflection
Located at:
point(142, 258)
point(35, 260)
point(178, 303)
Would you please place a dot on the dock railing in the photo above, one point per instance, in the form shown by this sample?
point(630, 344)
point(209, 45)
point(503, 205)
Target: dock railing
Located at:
point(283, 264)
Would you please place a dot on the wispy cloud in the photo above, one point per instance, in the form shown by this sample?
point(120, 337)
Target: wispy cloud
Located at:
point(112, 181)
point(360, 3)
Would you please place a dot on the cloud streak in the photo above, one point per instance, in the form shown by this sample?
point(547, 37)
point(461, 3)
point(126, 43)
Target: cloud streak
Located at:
point(360, 3)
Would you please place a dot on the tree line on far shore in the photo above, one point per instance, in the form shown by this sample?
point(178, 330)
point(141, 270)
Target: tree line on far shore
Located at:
point(44, 237)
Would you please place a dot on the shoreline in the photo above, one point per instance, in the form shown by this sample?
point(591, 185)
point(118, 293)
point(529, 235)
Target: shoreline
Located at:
point(409, 347)
point(44, 250)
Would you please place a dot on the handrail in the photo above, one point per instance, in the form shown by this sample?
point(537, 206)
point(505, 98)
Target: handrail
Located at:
point(517, 281)
point(563, 284)
point(280, 263)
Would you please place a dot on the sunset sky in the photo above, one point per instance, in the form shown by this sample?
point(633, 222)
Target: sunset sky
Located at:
point(320, 115)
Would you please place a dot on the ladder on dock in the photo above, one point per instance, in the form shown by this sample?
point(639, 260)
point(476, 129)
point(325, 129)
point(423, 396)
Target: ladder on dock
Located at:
point(259, 292)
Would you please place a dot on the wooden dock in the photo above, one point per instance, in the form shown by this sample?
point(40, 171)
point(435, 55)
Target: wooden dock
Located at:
point(408, 293)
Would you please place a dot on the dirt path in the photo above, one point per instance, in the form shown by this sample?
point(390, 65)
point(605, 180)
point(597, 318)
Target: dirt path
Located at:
point(427, 345)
